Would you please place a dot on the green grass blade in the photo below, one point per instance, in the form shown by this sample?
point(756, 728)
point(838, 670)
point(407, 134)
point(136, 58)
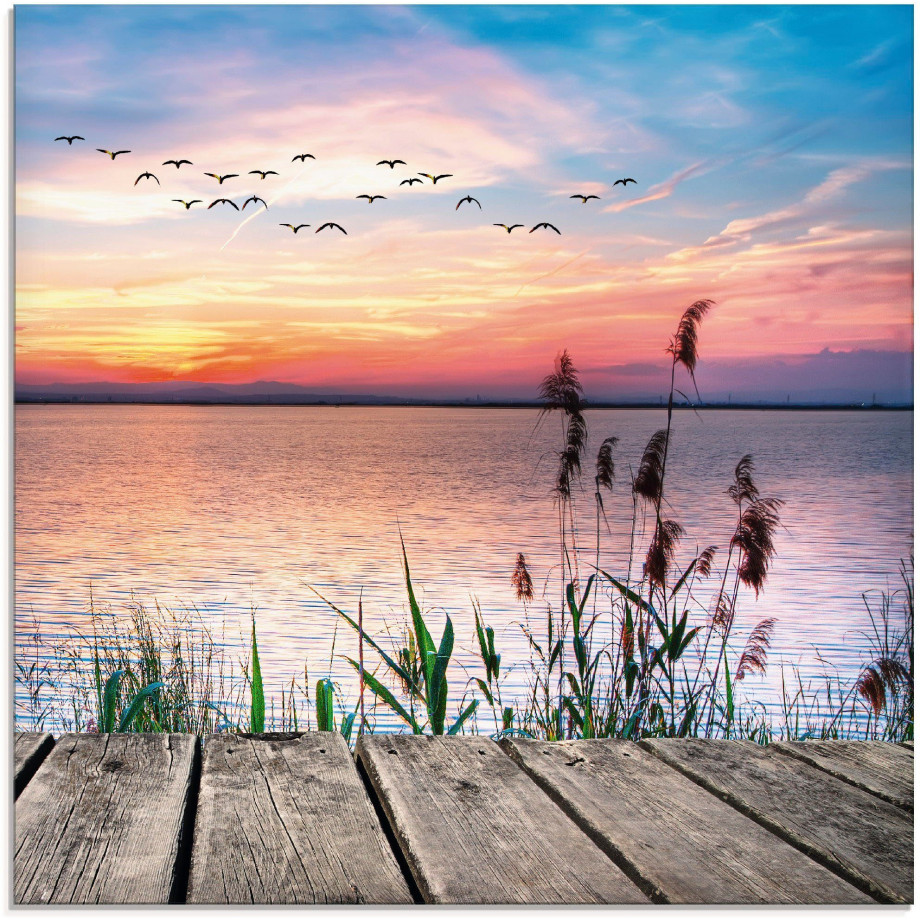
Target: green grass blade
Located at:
point(325, 717)
point(377, 687)
point(109, 697)
point(257, 712)
point(462, 718)
point(130, 714)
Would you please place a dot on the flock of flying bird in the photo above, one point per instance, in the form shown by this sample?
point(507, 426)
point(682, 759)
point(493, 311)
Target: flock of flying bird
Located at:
point(303, 157)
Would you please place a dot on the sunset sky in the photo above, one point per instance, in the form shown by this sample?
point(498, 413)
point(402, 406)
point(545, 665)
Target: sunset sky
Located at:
point(771, 147)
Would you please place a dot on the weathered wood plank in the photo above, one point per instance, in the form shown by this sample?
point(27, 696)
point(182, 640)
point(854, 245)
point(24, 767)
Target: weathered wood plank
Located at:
point(285, 819)
point(475, 829)
point(885, 770)
point(31, 748)
point(101, 821)
point(908, 744)
point(866, 840)
point(680, 843)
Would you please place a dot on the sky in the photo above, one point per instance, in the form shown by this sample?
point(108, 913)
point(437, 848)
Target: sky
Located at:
point(771, 148)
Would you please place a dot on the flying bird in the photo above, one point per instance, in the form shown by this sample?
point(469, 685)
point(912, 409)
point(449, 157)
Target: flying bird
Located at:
point(323, 227)
point(434, 179)
point(391, 163)
point(544, 224)
point(410, 181)
point(623, 182)
point(303, 157)
point(71, 139)
point(371, 198)
point(584, 198)
point(254, 198)
point(146, 175)
point(509, 229)
point(295, 229)
point(220, 179)
point(178, 163)
point(222, 201)
point(188, 204)
point(468, 198)
point(262, 172)
point(112, 154)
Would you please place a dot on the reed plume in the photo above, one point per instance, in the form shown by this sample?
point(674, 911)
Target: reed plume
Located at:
point(605, 471)
point(661, 551)
point(520, 578)
point(743, 488)
point(683, 345)
point(754, 656)
point(754, 538)
point(562, 389)
point(704, 561)
point(884, 675)
point(576, 438)
point(649, 477)
point(723, 612)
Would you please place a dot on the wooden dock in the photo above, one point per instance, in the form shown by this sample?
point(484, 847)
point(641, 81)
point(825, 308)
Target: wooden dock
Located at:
point(299, 819)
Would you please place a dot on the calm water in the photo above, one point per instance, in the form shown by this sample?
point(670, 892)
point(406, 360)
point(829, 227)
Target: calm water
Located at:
point(227, 508)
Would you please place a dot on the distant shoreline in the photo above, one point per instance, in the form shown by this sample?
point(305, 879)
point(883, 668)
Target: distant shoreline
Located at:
point(435, 404)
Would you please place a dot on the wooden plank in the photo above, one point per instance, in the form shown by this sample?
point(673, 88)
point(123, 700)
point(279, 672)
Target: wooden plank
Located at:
point(101, 821)
point(679, 843)
point(474, 829)
point(285, 819)
point(866, 840)
point(885, 770)
point(31, 748)
point(908, 744)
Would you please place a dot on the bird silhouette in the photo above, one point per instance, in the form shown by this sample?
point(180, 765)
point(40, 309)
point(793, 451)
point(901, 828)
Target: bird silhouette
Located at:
point(146, 175)
point(177, 163)
point(71, 139)
point(188, 204)
point(371, 198)
point(624, 181)
point(303, 157)
point(223, 201)
point(544, 224)
point(434, 179)
point(468, 198)
point(262, 172)
point(391, 163)
point(584, 198)
point(295, 229)
point(509, 229)
point(254, 198)
point(220, 179)
point(111, 153)
point(410, 181)
point(330, 224)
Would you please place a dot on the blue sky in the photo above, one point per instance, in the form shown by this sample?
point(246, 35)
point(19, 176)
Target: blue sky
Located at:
point(772, 148)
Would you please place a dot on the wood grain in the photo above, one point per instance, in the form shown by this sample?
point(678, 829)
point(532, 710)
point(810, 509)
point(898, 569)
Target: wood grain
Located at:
point(680, 843)
point(30, 748)
point(475, 829)
point(287, 820)
point(885, 770)
point(100, 823)
point(864, 839)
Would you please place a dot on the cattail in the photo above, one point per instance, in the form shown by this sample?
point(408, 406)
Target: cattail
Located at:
point(883, 675)
point(683, 345)
point(648, 481)
point(754, 656)
point(743, 488)
point(704, 561)
point(661, 551)
point(520, 578)
point(754, 536)
point(605, 469)
point(627, 641)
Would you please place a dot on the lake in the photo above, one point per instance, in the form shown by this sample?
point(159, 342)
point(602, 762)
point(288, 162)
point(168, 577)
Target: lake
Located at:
point(229, 508)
